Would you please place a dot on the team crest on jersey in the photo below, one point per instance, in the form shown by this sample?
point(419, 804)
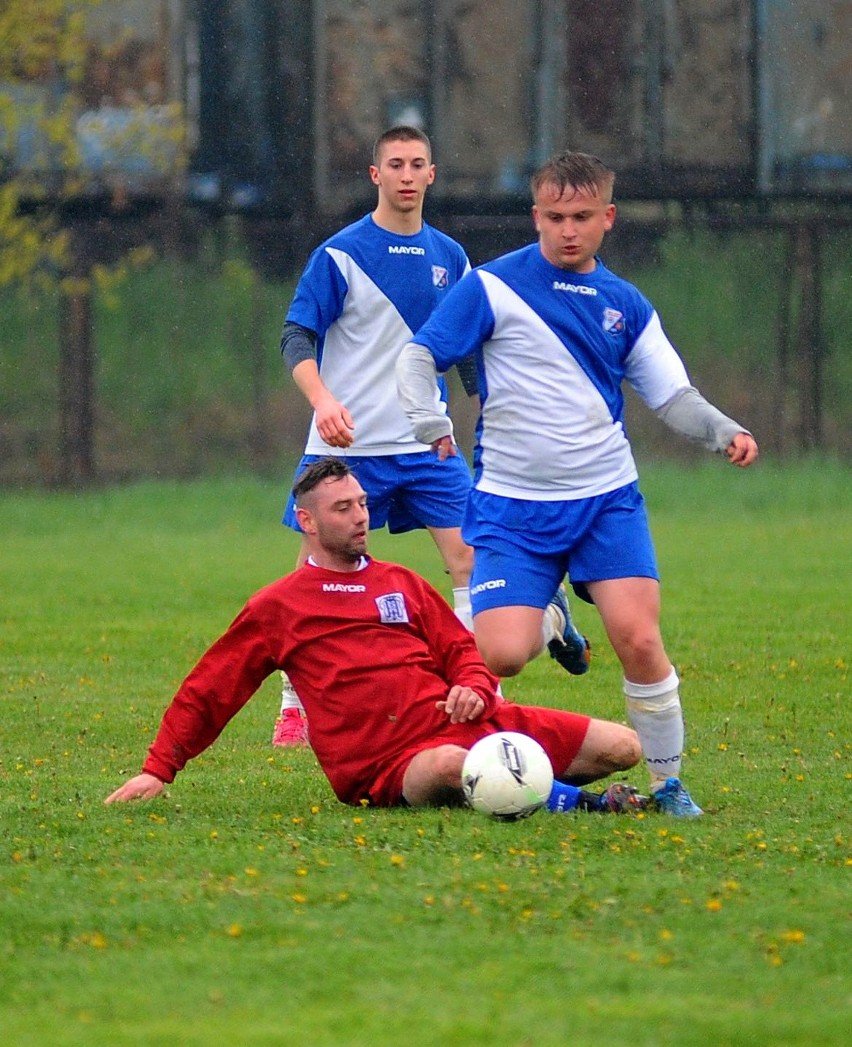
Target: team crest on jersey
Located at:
point(439, 276)
point(392, 608)
point(613, 321)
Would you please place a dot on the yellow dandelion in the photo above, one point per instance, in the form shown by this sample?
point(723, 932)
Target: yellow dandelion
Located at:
point(666, 935)
point(723, 747)
point(713, 905)
point(397, 859)
point(235, 930)
point(301, 872)
point(250, 871)
point(360, 841)
point(795, 937)
point(298, 898)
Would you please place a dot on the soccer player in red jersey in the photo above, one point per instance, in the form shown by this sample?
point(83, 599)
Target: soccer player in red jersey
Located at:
point(392, 682)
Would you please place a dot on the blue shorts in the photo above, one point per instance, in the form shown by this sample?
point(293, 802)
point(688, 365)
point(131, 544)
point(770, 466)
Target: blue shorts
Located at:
point(523, 549)
point(404, 491)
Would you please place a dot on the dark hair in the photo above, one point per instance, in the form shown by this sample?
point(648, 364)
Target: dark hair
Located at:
point(328, 468)
point(577, 170)
point(401, 133)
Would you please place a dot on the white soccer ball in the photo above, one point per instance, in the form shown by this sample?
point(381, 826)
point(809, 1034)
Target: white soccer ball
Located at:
point(507, 776)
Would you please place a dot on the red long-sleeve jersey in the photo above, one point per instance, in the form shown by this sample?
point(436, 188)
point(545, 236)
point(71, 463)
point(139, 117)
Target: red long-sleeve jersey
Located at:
point(369, 653)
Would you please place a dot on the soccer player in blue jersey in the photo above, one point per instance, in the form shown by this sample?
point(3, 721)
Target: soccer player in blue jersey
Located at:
point(555, 483)
point(360, 298)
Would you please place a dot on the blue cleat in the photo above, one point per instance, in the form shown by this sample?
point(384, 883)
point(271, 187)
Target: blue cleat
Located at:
point(673, 798)
point(572, 651)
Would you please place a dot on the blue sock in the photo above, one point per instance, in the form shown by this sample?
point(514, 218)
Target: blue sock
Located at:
point(563, 797)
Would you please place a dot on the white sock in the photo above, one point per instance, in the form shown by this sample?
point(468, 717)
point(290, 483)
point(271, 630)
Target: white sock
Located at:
point(461, 605)
point(655, 713)
point(462, 608)
point(552, 625)
point(289, 698)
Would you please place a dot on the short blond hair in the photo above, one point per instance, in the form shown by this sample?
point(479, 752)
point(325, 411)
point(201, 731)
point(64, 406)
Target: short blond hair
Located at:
point(578, 171)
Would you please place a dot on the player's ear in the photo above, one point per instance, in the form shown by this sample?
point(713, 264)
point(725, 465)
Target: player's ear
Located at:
point(374, 174)
point(306, 520)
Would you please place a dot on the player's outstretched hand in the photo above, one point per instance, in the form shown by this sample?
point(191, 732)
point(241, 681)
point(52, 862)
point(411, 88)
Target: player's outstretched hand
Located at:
point(742, 450)
point(142, 787)
point(462, 704)
point(444, 448)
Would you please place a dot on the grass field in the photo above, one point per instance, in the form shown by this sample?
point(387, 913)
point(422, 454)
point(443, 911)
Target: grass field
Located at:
point(249, 907)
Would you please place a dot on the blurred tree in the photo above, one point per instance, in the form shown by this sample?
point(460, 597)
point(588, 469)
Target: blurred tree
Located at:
point(66, 172)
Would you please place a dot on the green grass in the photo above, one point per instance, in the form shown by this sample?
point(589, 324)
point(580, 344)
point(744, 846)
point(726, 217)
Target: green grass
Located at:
point(249, 907)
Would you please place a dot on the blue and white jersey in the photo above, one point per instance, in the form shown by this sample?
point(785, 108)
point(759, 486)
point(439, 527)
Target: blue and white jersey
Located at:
point(364, 292)
point(553, 350)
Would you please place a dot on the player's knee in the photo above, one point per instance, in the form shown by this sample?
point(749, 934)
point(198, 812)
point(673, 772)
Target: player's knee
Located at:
point(625, 749)
point(504, 664)
point(447, 766)
point(641, 647)
point(501, 657)
point(464, 558)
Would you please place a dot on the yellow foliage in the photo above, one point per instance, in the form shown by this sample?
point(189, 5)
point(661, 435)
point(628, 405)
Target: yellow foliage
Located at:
point(44, 50)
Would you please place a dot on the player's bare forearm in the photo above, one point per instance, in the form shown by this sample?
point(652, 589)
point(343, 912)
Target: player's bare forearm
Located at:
point(334, 422)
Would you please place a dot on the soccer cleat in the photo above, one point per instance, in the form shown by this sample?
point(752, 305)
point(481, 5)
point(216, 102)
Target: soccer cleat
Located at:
point(291, 728)
point(572, 651)
point(617, 799)
point(673, 798)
